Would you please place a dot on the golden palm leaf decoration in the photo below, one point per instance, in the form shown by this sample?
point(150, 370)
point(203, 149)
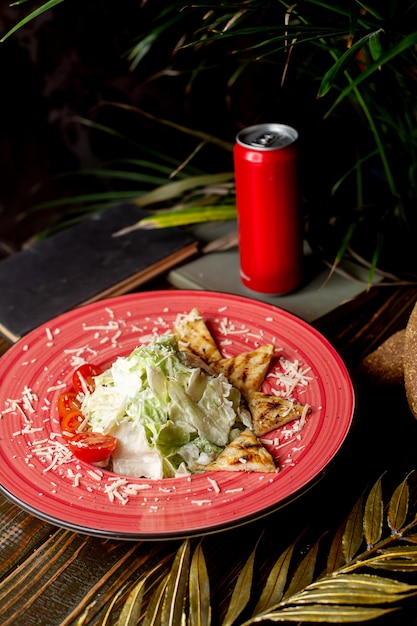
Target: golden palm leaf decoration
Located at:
point(370, 556)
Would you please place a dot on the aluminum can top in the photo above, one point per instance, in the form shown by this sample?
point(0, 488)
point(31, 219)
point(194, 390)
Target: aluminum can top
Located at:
point(267, 136)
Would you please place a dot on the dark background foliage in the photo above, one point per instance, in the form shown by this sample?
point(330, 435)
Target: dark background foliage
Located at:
point(66, 63)
point(60, 66)
point(70, 62)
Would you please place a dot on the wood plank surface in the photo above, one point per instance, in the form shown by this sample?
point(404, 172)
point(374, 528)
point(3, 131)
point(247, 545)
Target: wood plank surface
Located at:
point(54, 577)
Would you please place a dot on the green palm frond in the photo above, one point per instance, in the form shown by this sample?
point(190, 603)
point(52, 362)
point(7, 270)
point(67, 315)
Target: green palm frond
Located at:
point(369, 556)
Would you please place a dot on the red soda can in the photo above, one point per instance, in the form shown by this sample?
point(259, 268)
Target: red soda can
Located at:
point(267, 200)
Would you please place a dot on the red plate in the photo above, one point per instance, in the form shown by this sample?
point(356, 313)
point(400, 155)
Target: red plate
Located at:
point(38, 474)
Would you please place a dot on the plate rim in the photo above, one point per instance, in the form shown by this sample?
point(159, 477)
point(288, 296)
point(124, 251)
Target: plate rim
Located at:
point(221, 526)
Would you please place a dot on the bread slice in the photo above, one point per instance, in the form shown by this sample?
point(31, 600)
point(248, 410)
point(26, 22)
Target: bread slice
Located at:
point(194, 336)
point(244, 454)
point(270, 412)
point(246, 371)
point(384, 366)
point(410, 361)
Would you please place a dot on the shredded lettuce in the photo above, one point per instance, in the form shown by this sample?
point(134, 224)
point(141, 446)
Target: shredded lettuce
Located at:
point(169, 418)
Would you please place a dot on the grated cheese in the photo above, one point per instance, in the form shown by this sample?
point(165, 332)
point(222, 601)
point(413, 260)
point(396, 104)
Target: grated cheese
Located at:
point(95, 475)
point(290, 376)
point(214, 484)
point(56, 387)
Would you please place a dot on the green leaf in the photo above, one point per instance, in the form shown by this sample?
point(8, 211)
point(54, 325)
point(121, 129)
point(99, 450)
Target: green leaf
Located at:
point(145, 44)
point(105, 196)
point(197, 134)
point(154, 610)
point(341, 251)
point(354, 589)
point(275, 584)
point(398, 507)
point(177, 188)
point(397, 559)
point(162, 157)
point(30, 17)
point(130, 613)
point(375, 47)
point(375, 257)
point(173, 606)
point(406, 42)
point(373, 515)
point(336, 556)
point(353, 535)
point(323, 614)
point(107, 618)
point(139, 51)
point(199, 586)
point(153, 616)
point(181, 217)
point(241, 592)
point(304, 573)
point(339, 67)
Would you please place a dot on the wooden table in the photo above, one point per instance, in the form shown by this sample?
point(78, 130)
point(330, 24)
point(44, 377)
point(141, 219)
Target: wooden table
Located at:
point(51, 576)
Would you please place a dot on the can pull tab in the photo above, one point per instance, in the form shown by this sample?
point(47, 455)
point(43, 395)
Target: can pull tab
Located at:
point(264, 140)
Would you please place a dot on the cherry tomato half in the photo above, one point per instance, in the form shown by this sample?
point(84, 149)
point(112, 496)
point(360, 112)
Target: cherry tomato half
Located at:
point(67, 401)
point(83, 377)
point(92, 447)
point(71, 422)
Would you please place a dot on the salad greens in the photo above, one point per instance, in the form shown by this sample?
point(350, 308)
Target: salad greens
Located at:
point(170, 418)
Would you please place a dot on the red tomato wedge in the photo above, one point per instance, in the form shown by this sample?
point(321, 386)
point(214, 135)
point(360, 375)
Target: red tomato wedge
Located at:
point(67, 401)
point(92, 447)
point(83, 377)
point(71, 422)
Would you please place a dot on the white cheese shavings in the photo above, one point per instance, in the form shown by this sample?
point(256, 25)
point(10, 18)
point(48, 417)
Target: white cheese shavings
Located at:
point(28, 430)
point(56, 387)
point(115, 337)
point(77, 479)
point(226, 342)
point(214, 484)
point(52, 452)
point(95, 475)
point(112, 325)
point(282, 445)
point(228, 328)
point(133, 489)
point(112, 489)
point(290, 376)
point(121, 489)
